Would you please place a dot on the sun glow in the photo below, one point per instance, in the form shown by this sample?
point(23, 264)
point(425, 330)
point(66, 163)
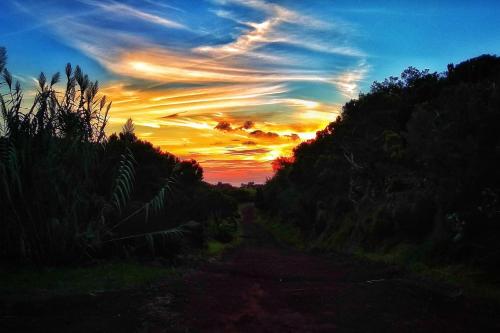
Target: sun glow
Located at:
point(261, 124)
point(234, 98)
point(234, 83)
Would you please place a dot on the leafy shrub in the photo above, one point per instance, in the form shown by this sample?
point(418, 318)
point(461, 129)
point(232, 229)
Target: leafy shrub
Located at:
point(57, 202)
point(223, 231)
point(418, 147)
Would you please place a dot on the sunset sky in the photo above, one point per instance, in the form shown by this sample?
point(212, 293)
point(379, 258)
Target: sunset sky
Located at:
point(236, 83)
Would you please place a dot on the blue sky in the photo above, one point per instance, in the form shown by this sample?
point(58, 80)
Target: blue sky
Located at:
point(178, 68)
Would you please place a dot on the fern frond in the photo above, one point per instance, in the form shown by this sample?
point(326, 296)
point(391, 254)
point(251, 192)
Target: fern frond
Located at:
point(158, 202)
point(172, 234)
point(155, 206)
point(124, 181)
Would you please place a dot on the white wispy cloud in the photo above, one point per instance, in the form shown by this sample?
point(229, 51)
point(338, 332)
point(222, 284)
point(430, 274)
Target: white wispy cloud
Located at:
point(348, 81)
point(116, 8)
point(246, 42)
point(282, 13)
point(127, 54)
point(177, 91)
point(162, 4)
point(268, 31)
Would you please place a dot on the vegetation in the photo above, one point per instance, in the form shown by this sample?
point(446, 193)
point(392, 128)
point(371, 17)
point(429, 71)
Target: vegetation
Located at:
point(216, 248)
point(81, 280)
point(224, 234)
point(408, 173)
point(243, 194)
point(69, 193)
point(286, 233)
point(412, 163)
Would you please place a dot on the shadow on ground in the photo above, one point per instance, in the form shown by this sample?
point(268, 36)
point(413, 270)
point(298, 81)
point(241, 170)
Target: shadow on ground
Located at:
point(262, 286)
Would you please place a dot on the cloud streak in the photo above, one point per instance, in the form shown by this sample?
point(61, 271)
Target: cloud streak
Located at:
point(116, 8)
point(234, 99)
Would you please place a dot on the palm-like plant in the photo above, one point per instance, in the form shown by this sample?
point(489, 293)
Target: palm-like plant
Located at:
point(54, 203)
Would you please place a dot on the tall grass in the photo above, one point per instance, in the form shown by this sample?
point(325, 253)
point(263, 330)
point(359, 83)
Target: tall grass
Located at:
point(56, 202)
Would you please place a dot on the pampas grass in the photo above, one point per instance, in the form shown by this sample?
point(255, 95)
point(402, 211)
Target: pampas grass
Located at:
point(56, 205)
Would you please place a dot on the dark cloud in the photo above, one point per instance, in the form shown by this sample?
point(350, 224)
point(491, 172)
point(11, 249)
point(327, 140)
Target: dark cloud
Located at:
point(248, 152)
point(223, 126)
point(248, 124)
point(173, 115)
point(262, 134)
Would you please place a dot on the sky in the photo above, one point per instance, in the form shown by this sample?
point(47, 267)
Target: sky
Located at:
point(235, 84)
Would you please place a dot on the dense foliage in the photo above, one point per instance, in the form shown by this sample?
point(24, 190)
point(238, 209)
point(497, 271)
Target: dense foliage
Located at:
point(67, 192)
point(416, 160)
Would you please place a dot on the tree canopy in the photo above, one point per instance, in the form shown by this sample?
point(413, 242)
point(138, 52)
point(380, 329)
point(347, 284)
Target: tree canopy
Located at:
point(415, 160)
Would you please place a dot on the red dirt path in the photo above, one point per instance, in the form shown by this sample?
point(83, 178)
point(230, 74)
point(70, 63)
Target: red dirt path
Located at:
point(263, 287)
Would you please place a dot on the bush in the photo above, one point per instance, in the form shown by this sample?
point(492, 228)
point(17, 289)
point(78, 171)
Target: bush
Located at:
point(418, 148)
point(57, 201)
point(223, 231)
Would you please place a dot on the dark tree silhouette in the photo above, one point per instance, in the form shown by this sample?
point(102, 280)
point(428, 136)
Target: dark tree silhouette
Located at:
point(414, 161)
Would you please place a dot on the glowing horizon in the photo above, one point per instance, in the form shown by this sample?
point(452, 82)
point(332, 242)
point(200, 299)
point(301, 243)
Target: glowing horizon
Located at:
point(232, 84)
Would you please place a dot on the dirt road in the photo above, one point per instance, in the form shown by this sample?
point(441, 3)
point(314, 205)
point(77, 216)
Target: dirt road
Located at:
point(262, 286)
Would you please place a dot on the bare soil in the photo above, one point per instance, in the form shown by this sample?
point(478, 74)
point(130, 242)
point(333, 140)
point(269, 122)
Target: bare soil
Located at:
point(262, 286)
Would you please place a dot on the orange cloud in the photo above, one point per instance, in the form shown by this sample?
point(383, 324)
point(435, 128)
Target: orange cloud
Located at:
point(229, 146)
point(234, 97)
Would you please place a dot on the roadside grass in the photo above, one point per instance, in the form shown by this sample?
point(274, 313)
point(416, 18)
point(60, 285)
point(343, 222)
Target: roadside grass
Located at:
point(80, 280)
point(285, 233)
point(474, 282)
point(216, 248)
point(107, 276)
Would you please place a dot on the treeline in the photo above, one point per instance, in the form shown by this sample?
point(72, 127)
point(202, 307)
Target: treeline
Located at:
point(69, 193)
point(414, 161)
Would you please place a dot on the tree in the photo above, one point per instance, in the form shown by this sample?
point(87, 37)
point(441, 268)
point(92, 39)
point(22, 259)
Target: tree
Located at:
point(189, 172)
point(128, 131)
point(415, 159)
